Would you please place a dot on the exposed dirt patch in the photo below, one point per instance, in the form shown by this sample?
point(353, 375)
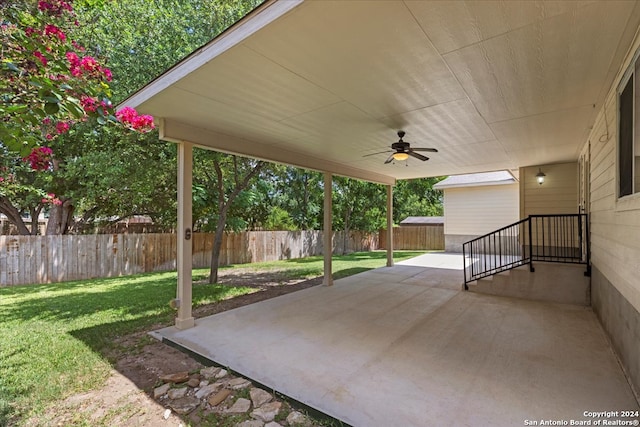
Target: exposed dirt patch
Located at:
point(127, 397)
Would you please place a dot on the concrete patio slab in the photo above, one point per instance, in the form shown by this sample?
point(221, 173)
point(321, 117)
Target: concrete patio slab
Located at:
point(404, 346)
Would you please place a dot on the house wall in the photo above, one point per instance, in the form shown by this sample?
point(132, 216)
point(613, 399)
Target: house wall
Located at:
point(615, 239)
point(473, 211)
point(557, 195)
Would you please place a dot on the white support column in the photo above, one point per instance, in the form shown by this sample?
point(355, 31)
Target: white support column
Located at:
point(184, 235)
point(327, 233)
point(389, 225)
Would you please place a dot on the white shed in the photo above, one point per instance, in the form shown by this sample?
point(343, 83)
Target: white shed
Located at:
point(476, 204)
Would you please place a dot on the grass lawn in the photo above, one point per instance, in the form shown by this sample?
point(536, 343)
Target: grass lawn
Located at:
point(53, 337)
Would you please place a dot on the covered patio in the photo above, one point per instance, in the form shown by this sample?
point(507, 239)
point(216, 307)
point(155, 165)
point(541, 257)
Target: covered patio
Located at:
point(405, 346)
point(325, 85)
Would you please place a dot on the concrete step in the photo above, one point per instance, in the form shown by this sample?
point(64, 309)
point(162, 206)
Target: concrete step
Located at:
point(563, 283)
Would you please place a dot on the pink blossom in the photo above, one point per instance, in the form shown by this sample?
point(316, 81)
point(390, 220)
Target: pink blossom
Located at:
point(41, 57)
point(49, 137)
point(39, 158)
point(50, 29)
point(62, 127)
point(73, 59)
point(51, 198)
point(107, 74)
point(89, 63)
point(88, 103)
point(46, 121)
point(55, 7)
point(127, 114)
point(130, 117)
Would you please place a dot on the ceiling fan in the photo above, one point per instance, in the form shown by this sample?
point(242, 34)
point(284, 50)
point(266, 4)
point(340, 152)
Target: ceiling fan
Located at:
point(401, 150)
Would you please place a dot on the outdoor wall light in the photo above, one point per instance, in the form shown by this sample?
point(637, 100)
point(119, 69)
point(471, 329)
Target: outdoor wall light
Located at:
point(540, 176)
point(400, 156)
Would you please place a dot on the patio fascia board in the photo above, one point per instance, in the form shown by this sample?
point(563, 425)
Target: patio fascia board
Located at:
point(259, 18)
point(475, 184)
point(175, 131)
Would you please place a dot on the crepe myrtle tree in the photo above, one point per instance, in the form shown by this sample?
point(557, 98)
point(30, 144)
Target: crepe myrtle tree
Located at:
point(48, 84)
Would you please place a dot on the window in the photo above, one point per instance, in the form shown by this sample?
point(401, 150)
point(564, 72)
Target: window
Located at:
point(629, 133)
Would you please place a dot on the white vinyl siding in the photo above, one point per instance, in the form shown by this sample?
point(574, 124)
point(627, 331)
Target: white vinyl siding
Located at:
point(474, 211)
point(557, 195)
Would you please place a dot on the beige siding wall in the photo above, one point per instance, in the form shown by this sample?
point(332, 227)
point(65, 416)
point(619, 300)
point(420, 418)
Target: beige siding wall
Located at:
point(557, 195)
point(615, 223)
point(473, 211)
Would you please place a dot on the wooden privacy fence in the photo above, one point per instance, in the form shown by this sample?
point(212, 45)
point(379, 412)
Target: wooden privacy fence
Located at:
point(415, 238)
point(47, 259)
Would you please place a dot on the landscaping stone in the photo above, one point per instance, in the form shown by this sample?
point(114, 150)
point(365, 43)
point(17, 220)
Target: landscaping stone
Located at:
point(219, 397)
point(207, 390)
point(241, 406)
point(296, 418)
point(167, 414)
point(259, 397)
point(210, 372)
point(203, 383)
point(267, 412)
point(250, 423)
point(178, 377)
point(273, 424)
point(177, 393)
point(238, 383)
point(221, 374)
point(184, 405)
point(161, 391)
point(193, 382)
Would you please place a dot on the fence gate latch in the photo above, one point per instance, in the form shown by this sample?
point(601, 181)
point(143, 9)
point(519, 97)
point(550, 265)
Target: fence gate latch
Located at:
point(187, 234)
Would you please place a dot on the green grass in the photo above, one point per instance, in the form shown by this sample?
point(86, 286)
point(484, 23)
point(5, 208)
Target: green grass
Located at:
point(54, 338)
point(342, 266)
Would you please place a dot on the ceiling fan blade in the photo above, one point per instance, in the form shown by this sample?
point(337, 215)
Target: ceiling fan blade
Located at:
point(431, 150)
point(389, 160)
point(375, 154)
point(417, 156)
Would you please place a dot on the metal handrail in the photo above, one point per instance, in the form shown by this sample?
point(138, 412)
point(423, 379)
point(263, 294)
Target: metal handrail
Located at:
point(551, 238)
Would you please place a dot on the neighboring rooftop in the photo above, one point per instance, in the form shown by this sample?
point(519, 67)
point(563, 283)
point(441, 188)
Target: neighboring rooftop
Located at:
point(423, 220)
point(476, 179)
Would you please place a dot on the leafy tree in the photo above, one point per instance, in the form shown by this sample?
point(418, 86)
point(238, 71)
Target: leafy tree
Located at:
point(48, 84)
point(416, 197)
point(357, 205)
point(111, 175)
point(300, 193)
point(222, 182)
point(172, 30)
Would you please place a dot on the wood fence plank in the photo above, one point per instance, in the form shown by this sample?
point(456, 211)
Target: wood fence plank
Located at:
point(46, 259)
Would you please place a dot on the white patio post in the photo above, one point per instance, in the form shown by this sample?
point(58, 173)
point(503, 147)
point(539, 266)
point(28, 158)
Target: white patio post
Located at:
point(389, 225)
point(327, 233)
point(185, 172)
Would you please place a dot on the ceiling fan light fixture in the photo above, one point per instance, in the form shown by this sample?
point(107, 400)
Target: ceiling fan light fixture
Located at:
point(400, 156)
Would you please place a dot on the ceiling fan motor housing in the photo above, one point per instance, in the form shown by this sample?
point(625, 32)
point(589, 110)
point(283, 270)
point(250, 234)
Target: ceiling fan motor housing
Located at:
point(400, 146)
